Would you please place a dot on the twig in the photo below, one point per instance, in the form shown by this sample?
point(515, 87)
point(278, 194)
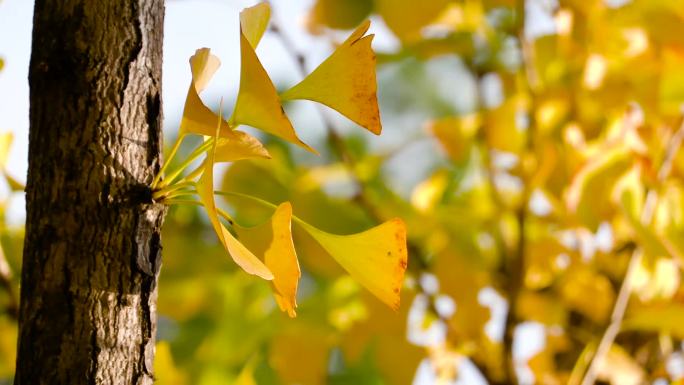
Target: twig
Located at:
point(516, 261)
point(625, 292)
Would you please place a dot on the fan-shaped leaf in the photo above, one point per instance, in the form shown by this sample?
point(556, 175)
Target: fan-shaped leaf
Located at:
point(376, 258)
point(257, 103)
point(254, 21)
point(273, 241)
point(197, 117)
point(236, 145)
point(345, 82)
point(240, 254)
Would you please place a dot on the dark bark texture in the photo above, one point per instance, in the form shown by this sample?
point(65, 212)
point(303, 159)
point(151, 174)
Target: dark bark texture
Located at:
point(92, 250)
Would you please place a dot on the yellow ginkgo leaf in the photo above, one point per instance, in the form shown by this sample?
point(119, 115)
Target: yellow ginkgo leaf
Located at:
point(6, 139)
point(376, 258)
point(345, 82)
point(254, 21)
point(165, 370)
point(240, 254)
point(406, 18)
point(588, 196)
point(257, 102)
point(236, 145)
point(273, 241)
point(197, 117)
point(337, 14)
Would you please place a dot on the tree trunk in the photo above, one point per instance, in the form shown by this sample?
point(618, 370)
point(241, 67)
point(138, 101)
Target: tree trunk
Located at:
point(92, 250)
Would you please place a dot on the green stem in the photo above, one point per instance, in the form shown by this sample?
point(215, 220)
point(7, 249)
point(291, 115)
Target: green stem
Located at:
point(170, 202)
point(175, 148)
point(263, 203)
point(225, 215)
point(191, 158)
point(180, 193)
point(194, 173)
point(168, 189)
point(220, 211)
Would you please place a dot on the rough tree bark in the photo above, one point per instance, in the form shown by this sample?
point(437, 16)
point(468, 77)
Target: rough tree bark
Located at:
point(92, 249)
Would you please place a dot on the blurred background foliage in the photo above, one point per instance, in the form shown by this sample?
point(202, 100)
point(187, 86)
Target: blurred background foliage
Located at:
point(533, 149)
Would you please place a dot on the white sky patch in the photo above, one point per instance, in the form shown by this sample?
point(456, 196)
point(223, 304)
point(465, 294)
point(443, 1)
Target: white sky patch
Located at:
point(416, 332)
point(498, 307)
point(604, 237)
point(503, 160)
point(675, 365)
point(562, 261)
point(616, 3)
point(539, 204)
point(485, 241)
point(468, 374)
point(445, 305)
point(429, 283)
point(529, 339)
point(491, 90)
point(539, 19)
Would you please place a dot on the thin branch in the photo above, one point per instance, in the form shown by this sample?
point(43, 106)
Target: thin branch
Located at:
point(625, 292)
point(515, 268)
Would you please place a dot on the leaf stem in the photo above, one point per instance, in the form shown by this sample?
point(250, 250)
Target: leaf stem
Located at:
point(262, 202)
point(174, 150)
point(170, 202)
point(191, 158)
point(168, 189)
point(179, 193)
point(194, 173)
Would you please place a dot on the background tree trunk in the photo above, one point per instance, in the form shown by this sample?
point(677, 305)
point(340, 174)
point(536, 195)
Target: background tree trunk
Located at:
point(92, 250)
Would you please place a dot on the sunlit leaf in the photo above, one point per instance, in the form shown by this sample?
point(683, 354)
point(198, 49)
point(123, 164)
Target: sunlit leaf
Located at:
point(273, 241)
point(257, 102)
point(376, 258)
point(238, 145)
point(165, 371)
point(254, 21)
point(406, 17)
point(658, 318)
point(656, 278)
point(246, 376)
point(535, 306)
point(197, 117)
point(345, 82)
point(338, 14)
point(6, 139)
point(297, 362)
point(589, 194)
point(8, 346)
point(455, 134)
point(427, 194)
point(588, 292)
point(506, 125)
point(240, 254)
point(619, 368)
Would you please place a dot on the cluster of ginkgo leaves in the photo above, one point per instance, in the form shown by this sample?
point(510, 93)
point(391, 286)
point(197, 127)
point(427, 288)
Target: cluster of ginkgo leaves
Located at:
point(345, 82)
